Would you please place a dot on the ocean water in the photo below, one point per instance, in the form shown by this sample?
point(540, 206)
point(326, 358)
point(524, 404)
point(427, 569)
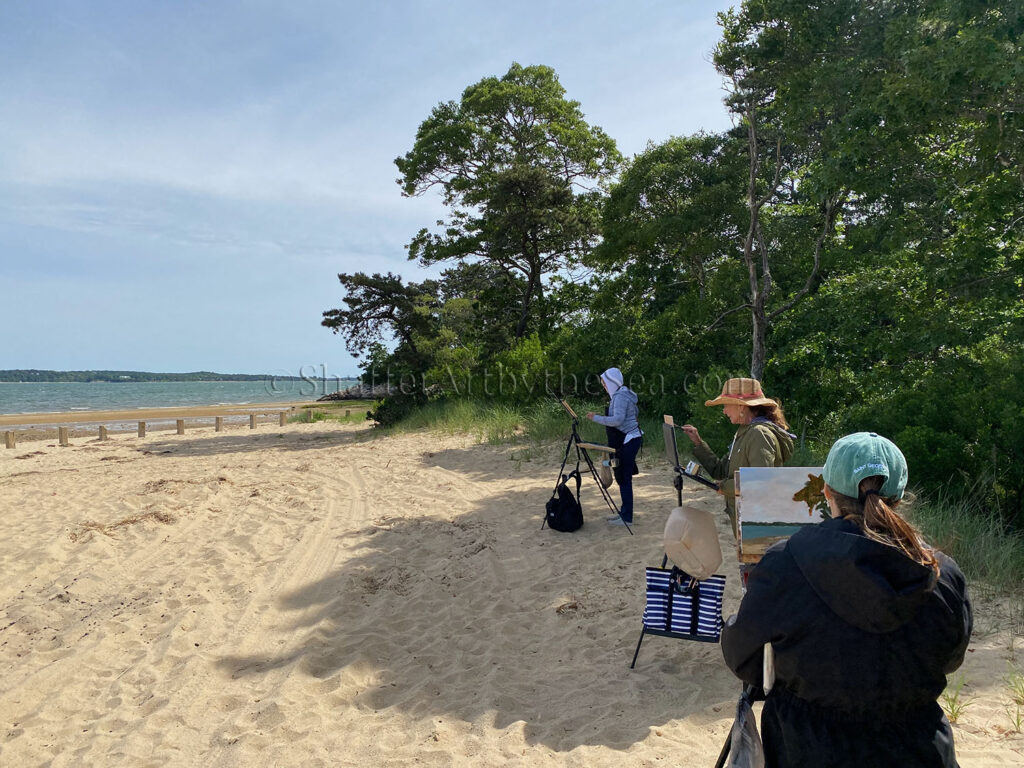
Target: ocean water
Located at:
point(47, 397)
point(753, 532)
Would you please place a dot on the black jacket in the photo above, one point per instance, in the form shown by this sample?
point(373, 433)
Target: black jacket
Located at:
point(863, 638)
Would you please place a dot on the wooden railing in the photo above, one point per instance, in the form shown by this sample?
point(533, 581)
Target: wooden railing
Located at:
point(63, 432)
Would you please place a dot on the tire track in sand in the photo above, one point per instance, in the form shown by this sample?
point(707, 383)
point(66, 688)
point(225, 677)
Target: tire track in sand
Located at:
point(311, 559)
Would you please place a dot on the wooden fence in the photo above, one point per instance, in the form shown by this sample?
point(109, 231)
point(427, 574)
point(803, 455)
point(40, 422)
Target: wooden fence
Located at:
point(63, 432)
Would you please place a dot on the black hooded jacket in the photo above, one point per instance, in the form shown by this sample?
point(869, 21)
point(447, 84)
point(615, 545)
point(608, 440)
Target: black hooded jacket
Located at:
point(863, 640)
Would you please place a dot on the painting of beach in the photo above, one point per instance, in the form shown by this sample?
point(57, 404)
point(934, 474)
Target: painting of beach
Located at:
point(773, 503)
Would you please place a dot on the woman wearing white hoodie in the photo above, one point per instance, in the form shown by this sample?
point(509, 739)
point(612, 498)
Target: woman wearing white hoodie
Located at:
point(624, 435)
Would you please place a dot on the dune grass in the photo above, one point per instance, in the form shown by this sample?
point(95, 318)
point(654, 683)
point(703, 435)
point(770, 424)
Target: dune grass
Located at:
point(976, 538)
point(539, 422)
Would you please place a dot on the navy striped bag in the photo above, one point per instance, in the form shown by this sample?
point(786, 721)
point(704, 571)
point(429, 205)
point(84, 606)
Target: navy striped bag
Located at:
point(680, 606)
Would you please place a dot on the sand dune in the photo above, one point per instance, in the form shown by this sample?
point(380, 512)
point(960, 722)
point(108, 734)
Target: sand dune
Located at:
point(307, 596)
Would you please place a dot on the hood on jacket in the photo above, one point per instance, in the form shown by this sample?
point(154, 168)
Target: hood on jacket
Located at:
point(613, 380)
point(627, 393)
point(868, 584)
point(785, 438)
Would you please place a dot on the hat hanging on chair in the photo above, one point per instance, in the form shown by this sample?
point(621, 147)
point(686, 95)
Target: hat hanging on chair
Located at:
point(741, 392)
point(691, 541)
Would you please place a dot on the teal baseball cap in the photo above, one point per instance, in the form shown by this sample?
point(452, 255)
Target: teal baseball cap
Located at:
point(865, 454)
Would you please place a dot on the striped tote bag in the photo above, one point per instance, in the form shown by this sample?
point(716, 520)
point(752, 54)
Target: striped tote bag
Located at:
point(680, 606)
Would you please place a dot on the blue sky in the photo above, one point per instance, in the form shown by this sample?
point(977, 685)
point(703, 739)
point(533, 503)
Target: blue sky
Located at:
point(181, 182)
point(766, 495)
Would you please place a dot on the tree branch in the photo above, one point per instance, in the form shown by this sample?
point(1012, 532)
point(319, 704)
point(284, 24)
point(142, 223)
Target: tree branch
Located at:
point(832, 208)
point(722, 316)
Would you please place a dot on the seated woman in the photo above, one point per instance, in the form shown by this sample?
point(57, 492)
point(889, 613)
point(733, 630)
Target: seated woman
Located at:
point(624, 436)
point(865, 622)
point(762, 440)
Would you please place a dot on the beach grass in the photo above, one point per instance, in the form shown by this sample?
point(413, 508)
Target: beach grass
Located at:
point(975, 537)
point(540, 422)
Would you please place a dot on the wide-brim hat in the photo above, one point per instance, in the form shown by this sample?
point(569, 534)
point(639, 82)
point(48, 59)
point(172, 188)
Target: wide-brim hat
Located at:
point(691, 541)
point(741, 392)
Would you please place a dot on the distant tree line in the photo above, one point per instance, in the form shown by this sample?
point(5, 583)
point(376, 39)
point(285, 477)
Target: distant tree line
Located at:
point(856, 240)
point(129, 376)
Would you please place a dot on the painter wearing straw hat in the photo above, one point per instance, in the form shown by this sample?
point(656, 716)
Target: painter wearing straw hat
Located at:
point(762, 440)
point(865, 621)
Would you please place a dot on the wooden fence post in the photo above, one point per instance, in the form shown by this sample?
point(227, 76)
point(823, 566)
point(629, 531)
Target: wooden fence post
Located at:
point(9, 439)
point(252, 421)
point(142, 429)
point(62, 436)
point(218, 424)
point(282, 418)
point(103, 433)
point(181, 426)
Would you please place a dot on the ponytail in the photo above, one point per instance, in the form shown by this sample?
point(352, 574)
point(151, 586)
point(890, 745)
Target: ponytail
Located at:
point(877, 517)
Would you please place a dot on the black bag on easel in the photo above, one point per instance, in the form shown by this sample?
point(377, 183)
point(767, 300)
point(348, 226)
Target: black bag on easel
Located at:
point(563, 510)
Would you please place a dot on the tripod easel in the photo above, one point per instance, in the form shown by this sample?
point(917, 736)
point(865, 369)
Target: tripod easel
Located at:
point(582, 447)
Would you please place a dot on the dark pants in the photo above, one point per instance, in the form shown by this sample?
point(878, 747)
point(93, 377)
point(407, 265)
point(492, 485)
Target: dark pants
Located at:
point(624, 475)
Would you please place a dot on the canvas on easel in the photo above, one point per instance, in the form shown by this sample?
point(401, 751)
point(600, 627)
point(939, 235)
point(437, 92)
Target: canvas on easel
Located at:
point(773, 503)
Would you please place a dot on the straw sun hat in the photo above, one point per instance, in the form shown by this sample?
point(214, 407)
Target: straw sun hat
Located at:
point(741, 392)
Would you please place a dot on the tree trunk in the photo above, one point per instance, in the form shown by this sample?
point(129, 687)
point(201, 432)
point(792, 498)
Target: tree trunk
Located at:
point(759, 331)
point(524, 316)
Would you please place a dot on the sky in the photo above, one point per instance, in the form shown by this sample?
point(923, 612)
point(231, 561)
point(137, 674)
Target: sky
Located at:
point(766, 495)
point(181, 182)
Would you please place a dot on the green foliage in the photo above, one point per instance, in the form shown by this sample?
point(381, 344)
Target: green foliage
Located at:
point(886, 247)
point(392, 409)
point(672, 217)
point(521, 370)
point(517, 165)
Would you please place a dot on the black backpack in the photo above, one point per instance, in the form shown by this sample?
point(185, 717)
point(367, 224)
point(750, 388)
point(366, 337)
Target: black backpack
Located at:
point(564, 512)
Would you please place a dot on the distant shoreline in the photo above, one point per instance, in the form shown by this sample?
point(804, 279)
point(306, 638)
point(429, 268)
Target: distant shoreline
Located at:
point(34, 376)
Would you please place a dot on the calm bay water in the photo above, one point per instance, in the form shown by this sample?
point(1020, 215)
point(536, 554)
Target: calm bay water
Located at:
point(752, 531)
point(45, 397)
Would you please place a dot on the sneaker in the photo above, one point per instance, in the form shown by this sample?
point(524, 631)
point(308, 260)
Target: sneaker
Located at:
point(618, 521)
point(612, 518)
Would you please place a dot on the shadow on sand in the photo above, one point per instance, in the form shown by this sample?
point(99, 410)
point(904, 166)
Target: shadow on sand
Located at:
point(485, 616)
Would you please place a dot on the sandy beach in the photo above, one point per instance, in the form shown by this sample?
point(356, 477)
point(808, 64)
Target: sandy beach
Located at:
point(315, 595)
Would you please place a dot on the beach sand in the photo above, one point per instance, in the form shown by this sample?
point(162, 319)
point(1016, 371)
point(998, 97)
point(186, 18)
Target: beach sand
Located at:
point(310, 595)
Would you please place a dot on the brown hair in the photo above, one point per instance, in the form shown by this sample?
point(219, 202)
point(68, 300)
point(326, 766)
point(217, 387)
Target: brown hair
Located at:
point(771, 412)
point(877, 517)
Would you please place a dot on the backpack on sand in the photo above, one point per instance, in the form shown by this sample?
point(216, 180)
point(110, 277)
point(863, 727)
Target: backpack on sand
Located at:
point(564, 512)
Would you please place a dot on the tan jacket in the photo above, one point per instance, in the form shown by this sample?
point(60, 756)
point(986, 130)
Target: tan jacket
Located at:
point(755, 445)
